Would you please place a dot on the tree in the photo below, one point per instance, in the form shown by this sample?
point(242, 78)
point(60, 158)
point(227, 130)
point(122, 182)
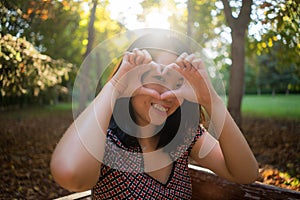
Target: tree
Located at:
point(206, 25)
point(25, 73)
point(85, 70)
point(91, 31)
point(272, 74)
point(239, 26)
point(51, 26)
point(57, 28)
point(281, 21)
point(276, 39)
point(100, 27)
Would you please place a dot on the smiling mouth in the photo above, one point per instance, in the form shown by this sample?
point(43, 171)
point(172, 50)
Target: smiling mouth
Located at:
point(159, 107)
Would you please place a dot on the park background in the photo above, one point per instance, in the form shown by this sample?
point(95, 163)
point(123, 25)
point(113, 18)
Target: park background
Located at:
point(255, 46)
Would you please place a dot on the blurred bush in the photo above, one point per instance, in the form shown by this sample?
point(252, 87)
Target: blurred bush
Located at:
point(27, 76)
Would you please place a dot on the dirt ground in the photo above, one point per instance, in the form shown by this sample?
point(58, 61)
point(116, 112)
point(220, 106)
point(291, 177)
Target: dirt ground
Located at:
point(27, 143)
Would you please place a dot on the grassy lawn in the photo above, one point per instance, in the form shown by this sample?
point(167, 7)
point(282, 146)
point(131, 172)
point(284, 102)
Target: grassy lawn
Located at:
point(37, 111)
point(278, 106)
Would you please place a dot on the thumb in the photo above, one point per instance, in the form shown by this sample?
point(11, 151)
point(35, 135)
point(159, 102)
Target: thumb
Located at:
point(170, 94)
point(147, 91)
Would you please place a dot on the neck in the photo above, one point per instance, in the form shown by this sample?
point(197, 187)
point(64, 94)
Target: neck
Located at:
point(148, 139)
point(146, 131)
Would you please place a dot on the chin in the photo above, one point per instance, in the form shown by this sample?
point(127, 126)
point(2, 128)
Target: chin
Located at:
point(158, 122)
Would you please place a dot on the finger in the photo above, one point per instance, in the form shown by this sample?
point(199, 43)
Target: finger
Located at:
point(147, 91)
point(183, 55)
point(180, 59)
point(198, 63)
point(190, 58)
point(170, 94)
point(173, 66)
point(147, 56)
point(139, 56)
point(188, 61)
point(154, 67)
point(125, 57)
point(131, 57)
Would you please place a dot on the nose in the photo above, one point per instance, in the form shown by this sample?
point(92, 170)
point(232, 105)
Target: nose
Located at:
point(160, 88)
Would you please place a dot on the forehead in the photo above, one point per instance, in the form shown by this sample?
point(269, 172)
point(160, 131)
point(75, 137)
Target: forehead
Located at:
point(169, 75)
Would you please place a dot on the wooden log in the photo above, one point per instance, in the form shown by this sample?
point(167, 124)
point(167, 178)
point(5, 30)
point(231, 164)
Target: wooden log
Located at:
point(86, 195)
point(208, 186)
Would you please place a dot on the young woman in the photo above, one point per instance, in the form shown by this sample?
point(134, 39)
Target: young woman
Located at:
point(134, 140)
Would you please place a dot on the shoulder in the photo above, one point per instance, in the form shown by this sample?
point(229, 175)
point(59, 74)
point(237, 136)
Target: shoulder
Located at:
point(197, 135)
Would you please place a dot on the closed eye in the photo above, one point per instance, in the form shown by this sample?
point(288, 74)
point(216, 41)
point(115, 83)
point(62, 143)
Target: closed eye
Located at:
point(177, 86)
point(179, 83)
point(159, 78)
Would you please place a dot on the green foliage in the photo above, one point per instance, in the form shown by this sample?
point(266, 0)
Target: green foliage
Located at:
point(105, 27)
point(40, 39)
point(53, 27)
point(279, 22)
point(284, 19)
point(209, 29)
point(26, 72)
point(207, 20)
point(274, 51)
point(11, 19)
point(59, 36)
point(274, 71)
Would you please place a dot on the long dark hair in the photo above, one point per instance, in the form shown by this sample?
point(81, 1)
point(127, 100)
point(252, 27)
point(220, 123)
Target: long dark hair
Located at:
point(184, 120)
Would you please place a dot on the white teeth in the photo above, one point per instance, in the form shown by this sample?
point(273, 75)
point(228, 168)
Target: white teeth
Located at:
point(160, 107)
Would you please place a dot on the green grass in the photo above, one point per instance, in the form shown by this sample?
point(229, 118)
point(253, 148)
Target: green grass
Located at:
point(36, 111)
point(278, 106)
point(60, 106)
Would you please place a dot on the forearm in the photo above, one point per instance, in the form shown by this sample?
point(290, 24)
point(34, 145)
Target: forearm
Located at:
point(239, 159)
point(77, 158)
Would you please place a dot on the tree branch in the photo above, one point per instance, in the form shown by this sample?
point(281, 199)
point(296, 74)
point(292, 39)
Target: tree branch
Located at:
point(242, 21)
point(228, 13)
point(245, 12)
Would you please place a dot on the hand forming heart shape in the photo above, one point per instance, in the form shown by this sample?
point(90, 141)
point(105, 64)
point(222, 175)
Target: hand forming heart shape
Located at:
point(185, 78)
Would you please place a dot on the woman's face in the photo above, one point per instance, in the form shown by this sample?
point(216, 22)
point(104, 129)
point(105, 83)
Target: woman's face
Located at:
point(149, 110)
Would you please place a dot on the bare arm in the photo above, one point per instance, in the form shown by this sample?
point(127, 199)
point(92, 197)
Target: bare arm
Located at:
point(72, 165)
point(230, 156)
point(76, 161)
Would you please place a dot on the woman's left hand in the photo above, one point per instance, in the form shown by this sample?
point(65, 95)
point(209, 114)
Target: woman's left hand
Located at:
point(197, 87)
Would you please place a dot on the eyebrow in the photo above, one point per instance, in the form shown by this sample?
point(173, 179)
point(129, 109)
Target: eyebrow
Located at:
point(180, 79)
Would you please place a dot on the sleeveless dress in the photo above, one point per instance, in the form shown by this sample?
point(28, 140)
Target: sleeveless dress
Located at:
point(123, 177)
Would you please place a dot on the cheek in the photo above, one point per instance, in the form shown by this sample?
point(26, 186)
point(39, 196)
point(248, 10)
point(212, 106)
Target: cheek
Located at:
point(175, 105)
point(140, 103)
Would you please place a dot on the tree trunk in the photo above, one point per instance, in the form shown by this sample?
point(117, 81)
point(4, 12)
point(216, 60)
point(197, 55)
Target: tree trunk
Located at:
point(238, 27)
point(91, 33)
point(237, 71)
point(84, 76)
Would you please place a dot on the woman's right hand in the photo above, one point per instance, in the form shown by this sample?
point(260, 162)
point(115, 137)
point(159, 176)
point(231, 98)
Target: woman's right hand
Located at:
point(127, 79)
